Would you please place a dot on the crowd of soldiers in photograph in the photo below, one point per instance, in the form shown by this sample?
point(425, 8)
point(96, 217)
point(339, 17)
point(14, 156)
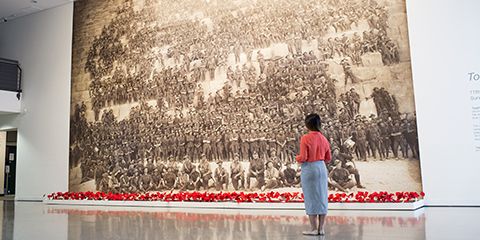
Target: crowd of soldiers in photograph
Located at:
point(176, 137)
point(199, 50)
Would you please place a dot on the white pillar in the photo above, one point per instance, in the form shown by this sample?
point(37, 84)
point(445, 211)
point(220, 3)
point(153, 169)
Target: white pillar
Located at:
point(3, 150)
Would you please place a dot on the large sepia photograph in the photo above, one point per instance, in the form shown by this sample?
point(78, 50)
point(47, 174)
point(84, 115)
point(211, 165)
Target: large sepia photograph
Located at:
point(211, 95)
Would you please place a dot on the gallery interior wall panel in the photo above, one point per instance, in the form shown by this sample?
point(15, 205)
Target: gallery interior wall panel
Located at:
point(41, 43)
point(445, 64)
point(211, 95)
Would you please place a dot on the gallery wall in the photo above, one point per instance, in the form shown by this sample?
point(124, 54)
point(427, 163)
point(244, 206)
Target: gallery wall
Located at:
point(444, 45)
point(444, 49)
point(42, 44)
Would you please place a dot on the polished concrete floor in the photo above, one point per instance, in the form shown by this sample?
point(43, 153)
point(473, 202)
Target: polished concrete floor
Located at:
point(34, 220)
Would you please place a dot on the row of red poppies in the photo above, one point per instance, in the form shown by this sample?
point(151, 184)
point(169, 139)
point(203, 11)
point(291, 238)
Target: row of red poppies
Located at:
point(236, 196)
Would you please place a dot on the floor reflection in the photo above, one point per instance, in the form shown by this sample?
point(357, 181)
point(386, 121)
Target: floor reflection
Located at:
point(7, 215)
point(33, 220)
point(146, 224)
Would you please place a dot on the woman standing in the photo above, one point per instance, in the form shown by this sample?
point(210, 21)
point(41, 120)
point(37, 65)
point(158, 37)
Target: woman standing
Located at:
point(314, 154)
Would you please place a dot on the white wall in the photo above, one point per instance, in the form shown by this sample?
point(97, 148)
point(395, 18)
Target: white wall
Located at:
point(445, 47)
point(42, 44)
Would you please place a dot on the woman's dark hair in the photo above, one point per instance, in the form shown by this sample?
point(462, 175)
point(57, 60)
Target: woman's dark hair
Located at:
point(313, 122)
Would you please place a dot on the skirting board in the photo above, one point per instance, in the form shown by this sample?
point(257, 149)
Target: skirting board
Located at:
point(411, 206)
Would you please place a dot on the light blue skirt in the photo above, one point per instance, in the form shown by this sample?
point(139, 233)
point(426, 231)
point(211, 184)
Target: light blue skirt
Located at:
point(314, 179)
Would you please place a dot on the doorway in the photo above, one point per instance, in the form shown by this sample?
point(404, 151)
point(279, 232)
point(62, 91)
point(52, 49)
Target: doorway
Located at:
point(10, 163)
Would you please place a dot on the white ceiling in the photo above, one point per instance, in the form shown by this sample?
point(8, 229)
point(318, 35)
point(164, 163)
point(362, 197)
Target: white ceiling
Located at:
point(11, 9)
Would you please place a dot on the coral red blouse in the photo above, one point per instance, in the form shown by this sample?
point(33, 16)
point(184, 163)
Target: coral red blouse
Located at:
point(314, 147)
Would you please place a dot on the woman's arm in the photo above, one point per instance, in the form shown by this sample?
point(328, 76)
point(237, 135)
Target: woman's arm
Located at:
point(328, 155)
point(303, 156)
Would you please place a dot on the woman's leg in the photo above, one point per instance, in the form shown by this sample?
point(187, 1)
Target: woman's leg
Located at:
point(313, 221)
point(321, 223)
